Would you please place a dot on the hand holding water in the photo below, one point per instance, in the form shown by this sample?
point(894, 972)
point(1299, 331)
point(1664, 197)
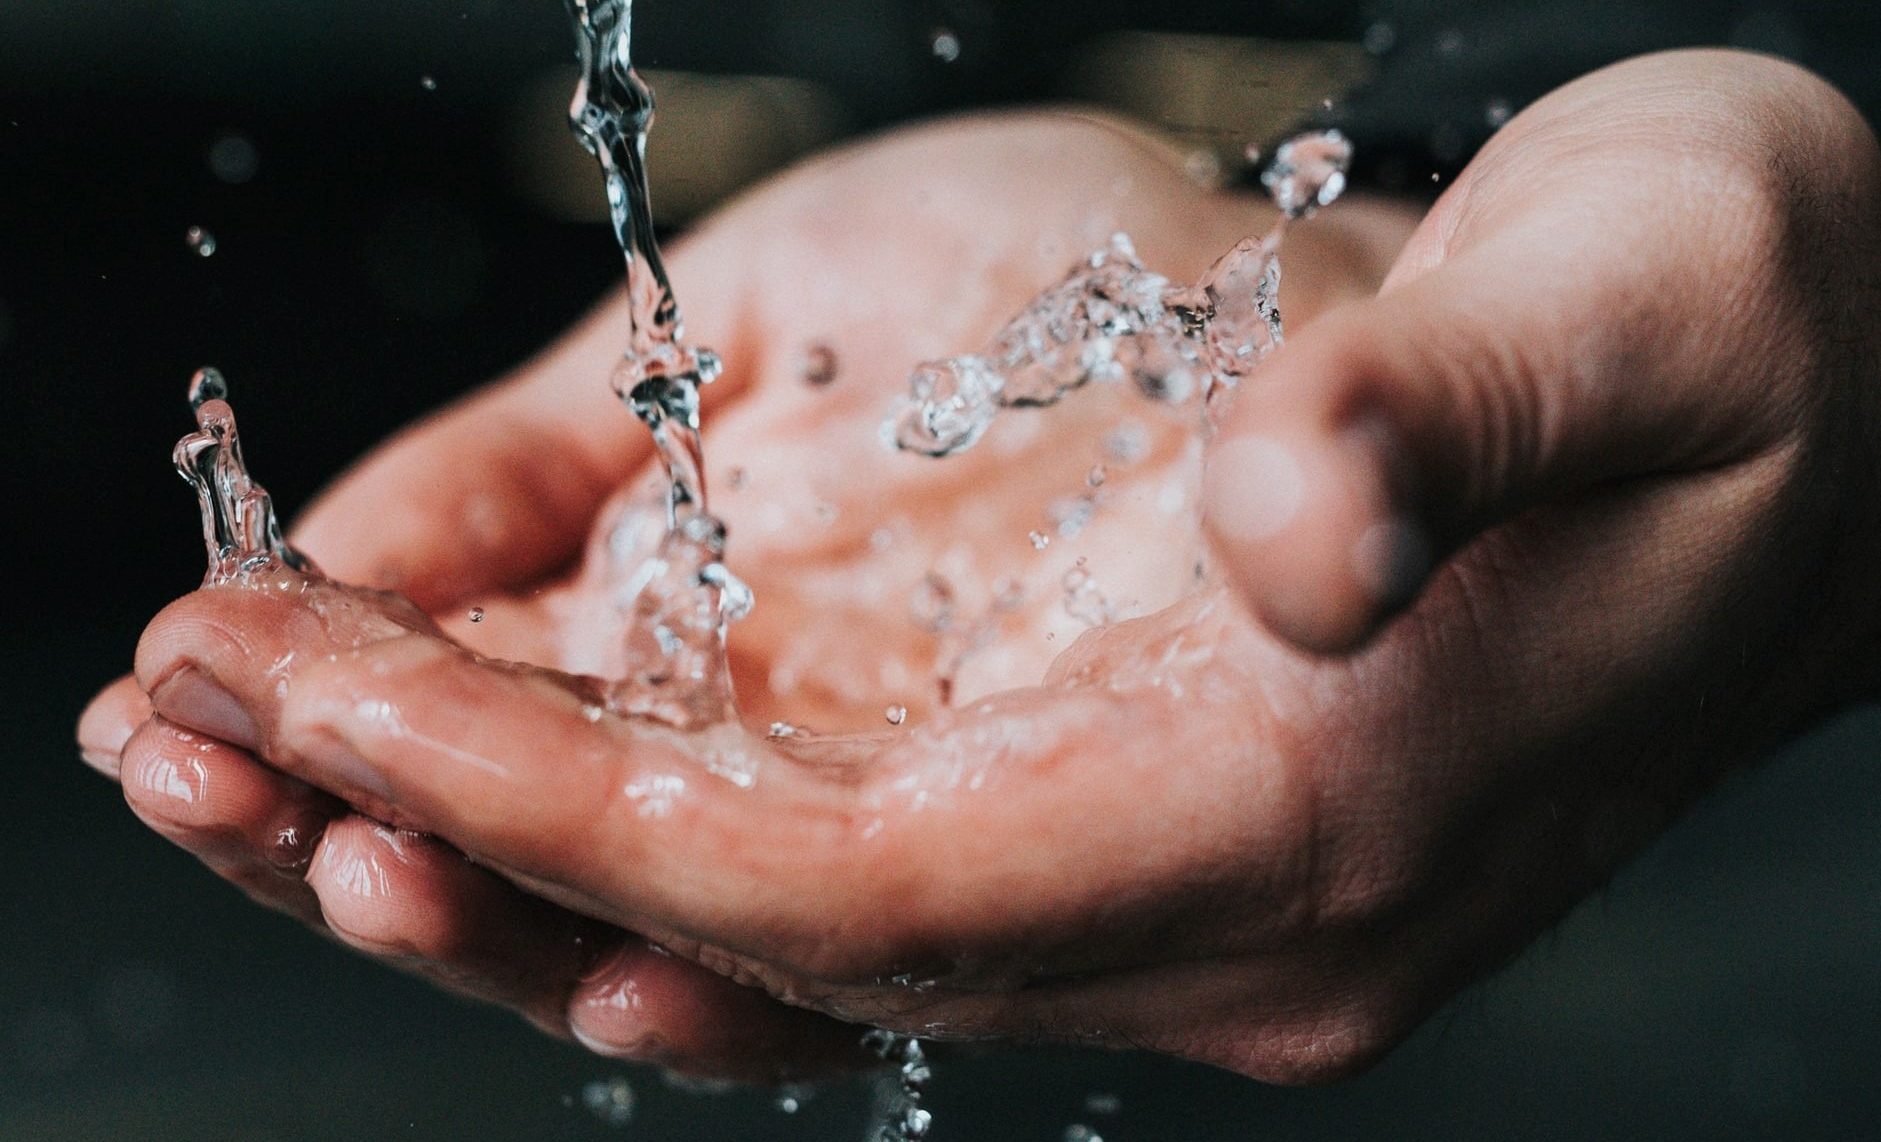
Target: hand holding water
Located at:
point(1195, 836)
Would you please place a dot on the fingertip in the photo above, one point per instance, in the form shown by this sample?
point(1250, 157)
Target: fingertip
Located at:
point(1305, 509)
point(108, 723)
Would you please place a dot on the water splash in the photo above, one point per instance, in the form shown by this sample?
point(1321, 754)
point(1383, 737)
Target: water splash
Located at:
point(239, 527)
point(683, 596)
point(903, 1117)
point(1112, 319)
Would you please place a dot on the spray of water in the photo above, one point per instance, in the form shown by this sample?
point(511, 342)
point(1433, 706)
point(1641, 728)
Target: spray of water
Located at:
point(239, 526)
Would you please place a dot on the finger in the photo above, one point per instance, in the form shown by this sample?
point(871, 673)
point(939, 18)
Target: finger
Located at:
point(718, 840)
point(252, 825)
point(1391, 432)
point(500, 488)
point(416, 902)
point(643, 1003)
point(108, 722)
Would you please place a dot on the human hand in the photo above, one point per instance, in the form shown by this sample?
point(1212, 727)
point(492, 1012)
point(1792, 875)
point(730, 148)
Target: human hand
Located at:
point(486, 503)
point(1196, 837)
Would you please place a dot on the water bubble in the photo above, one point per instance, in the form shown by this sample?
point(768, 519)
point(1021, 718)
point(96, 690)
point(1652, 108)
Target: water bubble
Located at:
point(201, 241)
point(1039, 540)
point(476, 614)
point(896, 715)
point(610, 1100)
point(205, 385)
point(427, 82)
point(819, 365)
point(233, 159)
point(944, 44)
point(1380, 38)
point(1498, 113)
point(1081, 1133)
point(1308, 172)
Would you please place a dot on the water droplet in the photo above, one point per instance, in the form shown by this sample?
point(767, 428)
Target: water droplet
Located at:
point(201, 241)
point(1040, 541)
point(205, 385)
point(791, 1096)
point(1203, 167)
point(1380, 38)
point(1102, 1102)
point(944, 44)
point(1251, 154)
point(896, 715)
point(1081, 1133)
point(1450, 43)
point(233, 159)
point(476, 614)
point(427, 82)
point(1498, 113)
point(1308, 172)
point(819, 365)
point(735, 479)
point(610, 1100)
point(1096, 476)
point(783, 730)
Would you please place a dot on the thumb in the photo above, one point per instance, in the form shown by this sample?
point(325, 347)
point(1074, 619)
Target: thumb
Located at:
point(1393, 431)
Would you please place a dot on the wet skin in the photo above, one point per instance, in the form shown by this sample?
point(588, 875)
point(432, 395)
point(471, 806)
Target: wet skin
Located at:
point(1513, 559)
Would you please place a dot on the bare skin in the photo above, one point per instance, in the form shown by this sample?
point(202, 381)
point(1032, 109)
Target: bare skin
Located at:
point(1514, 557)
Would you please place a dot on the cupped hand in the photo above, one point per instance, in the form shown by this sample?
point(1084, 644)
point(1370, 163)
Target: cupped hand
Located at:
point(1617, 393)
point(487, 505)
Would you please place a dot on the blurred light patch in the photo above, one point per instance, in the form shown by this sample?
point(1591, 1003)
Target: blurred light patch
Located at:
point(713, 135)
point(1215, 97)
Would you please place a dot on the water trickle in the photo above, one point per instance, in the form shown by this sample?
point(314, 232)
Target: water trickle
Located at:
point(239, 528)
point(681, 596)
point(201, 242)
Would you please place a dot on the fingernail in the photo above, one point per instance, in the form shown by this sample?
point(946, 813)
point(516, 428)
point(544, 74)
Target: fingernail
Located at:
point(1255, 487)
point(190, 698)
point(333, 765)
point(105, 763)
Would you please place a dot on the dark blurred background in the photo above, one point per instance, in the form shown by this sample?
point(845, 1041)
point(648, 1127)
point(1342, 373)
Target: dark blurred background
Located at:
point(398, 214)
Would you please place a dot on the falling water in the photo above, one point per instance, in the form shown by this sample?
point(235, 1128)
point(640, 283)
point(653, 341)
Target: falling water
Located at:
point(681, 597)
